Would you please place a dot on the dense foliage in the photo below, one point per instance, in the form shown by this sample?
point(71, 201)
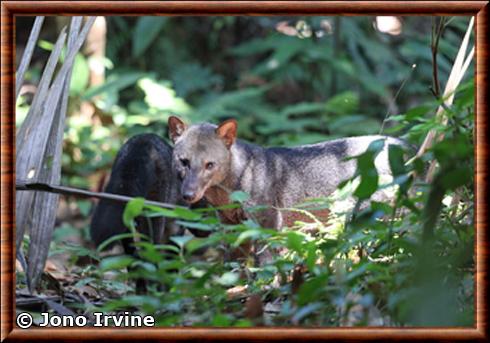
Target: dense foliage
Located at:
point(288, 81)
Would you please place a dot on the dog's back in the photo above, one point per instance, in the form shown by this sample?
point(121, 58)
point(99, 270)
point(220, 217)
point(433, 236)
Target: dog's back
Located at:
point(285, 177)
point(314, 170)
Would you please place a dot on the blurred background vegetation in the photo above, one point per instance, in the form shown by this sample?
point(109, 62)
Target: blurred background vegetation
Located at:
point(288, 81)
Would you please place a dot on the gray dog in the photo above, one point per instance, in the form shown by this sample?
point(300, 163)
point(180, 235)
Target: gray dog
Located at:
point(211, 163)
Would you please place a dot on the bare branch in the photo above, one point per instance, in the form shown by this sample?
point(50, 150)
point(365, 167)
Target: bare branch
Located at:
point(22, 185)
point(436, 35)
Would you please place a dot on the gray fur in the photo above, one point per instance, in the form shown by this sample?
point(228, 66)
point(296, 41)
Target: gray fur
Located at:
point(276, 177)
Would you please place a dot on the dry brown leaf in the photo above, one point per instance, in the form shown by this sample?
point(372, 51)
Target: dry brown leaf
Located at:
point(89, 291)
point(297, 279)
point(254, 308)
point(237, 292)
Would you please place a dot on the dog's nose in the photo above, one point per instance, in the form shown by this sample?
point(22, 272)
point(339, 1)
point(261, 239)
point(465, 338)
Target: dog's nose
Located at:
point(189, 195)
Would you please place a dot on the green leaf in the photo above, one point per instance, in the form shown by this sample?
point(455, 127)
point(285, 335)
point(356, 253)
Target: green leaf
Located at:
point(376, 146)
point(358, 271)
point(191, 77)
point(165, 212)
point(355, 124)
point(113, 239)
point(145, 32)
point(147, 266)
point(82, 282)
point(177, 212)
point(169, 247)
point(416, 112)
point(43, 44)
point(160, 96)
point(228, 279)
point(456, 177)
point(242, 323)
point(221, 320)
point(149, 252)
point(369, 176)
point(116, 262)
point(254, 233)
point(197, 243)
point(84, 206)
point(453, 149)
point(295, 241)
point(132, 210)
point(343, 103)
point(303, 108)
point(239, 196)
point(80, 75)
point(187, 214)
point(306, 311)
point(367, 170)
point(252, 47)
point(311, 256)
point(367, 186)
point(181, 240)
point(310, 288)
point(395, 157)
point(114, 84)
point(195, 225)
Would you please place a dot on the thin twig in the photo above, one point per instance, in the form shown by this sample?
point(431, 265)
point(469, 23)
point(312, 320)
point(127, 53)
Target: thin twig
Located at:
point(396, 97)
point(436, 35)
point(44, 187)
point(336, 49)
point(460, 65)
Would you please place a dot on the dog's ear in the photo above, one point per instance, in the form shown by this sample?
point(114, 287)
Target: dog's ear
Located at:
point(227, 131)
point(176, 128)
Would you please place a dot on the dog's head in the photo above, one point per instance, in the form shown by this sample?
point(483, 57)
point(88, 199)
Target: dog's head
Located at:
point(201, 155)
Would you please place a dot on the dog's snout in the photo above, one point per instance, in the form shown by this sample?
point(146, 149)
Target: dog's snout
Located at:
point(189, 195)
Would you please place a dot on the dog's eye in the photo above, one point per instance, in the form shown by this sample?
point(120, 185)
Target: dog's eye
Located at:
point(185, 162)
point(209, 165)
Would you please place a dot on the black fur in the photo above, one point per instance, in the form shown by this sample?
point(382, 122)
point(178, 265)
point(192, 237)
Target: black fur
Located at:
point(143, 168)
